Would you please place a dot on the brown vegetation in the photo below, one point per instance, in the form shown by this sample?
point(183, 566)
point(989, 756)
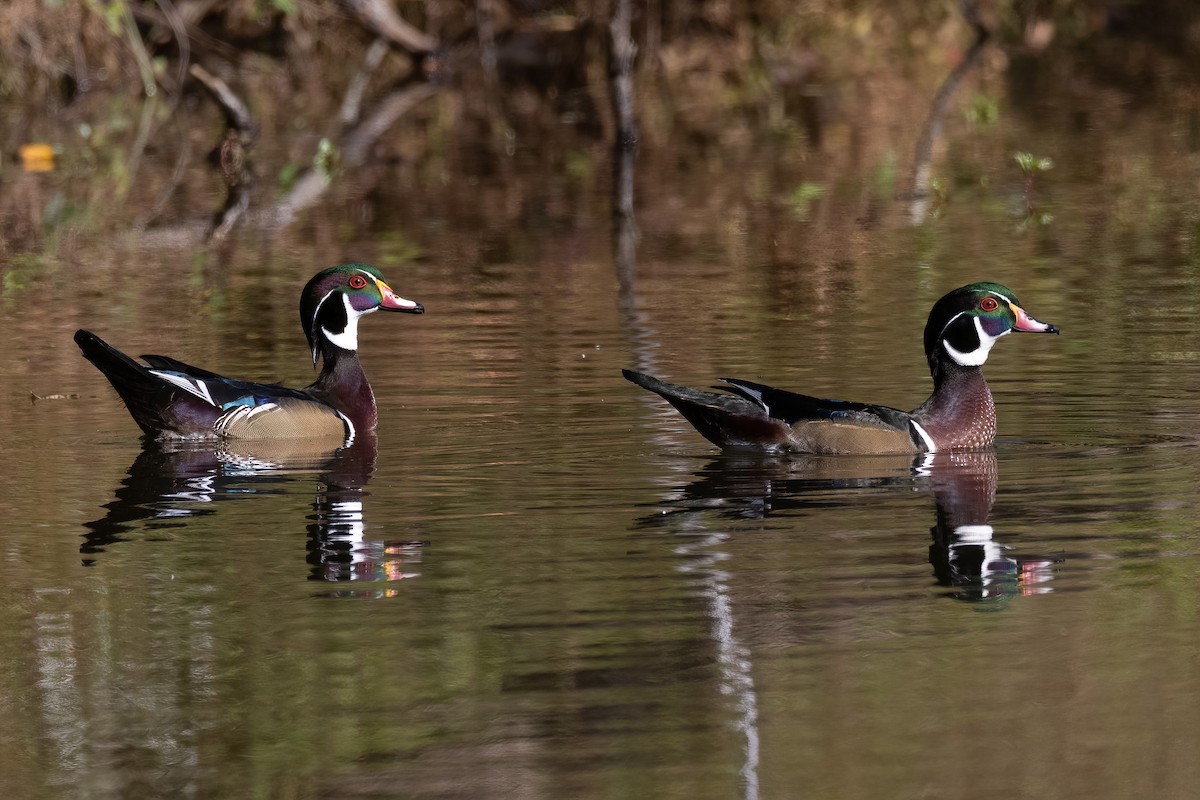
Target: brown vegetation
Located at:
point(521, 93)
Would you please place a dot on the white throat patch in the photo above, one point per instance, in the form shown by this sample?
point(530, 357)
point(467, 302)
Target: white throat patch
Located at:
point(979, 355)
point(347, 339)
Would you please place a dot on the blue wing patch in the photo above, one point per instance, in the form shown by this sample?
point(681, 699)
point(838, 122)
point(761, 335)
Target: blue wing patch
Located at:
point(249, 401)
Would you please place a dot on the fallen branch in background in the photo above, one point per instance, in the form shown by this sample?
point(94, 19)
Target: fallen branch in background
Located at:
point(354, 147)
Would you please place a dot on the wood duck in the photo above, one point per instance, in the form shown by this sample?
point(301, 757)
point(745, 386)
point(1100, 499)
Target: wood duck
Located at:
point(960, 413)
point(172, 400)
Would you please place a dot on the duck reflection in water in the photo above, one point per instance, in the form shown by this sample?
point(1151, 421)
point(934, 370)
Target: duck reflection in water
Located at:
point(964, 553)
point(170, 484)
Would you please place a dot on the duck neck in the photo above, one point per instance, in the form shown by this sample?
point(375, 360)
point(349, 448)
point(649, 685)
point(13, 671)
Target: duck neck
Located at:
point(343, 385)
point(960, 413)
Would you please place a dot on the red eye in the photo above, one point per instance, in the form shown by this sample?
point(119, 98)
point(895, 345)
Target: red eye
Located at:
point(989, 304)
point(358, 282)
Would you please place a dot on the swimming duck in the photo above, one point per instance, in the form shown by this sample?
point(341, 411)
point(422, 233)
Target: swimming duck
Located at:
point(173, 400)
point(960, 413)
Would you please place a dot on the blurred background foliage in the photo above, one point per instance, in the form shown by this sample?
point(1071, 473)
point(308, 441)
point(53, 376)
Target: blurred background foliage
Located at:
point(809, 104)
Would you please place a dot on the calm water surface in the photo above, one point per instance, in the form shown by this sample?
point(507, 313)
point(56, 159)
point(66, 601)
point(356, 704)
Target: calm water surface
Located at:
point(539, 582)
point(541, 573)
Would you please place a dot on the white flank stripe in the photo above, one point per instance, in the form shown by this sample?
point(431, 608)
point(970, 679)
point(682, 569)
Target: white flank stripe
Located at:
point(930, 447)
point(349, 427)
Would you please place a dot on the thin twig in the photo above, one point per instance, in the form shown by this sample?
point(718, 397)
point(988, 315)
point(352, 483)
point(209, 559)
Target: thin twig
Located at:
point(145, 68)
point(179, 31)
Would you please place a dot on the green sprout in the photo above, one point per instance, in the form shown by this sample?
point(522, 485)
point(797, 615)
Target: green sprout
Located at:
point(325, 162)
point(803, 197)
point(1032, 165)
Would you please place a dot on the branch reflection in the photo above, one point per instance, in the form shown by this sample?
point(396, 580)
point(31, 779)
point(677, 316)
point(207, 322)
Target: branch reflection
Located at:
point(173, 485)
point(921, 195)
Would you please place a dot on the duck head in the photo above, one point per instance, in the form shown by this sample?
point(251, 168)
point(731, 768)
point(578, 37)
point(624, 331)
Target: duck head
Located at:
point(964, 325)
point(335, 298)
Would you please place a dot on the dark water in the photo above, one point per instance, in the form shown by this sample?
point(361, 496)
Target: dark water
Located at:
point(539, 582)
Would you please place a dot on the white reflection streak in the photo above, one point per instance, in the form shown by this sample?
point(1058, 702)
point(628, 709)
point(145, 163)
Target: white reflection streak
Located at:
point(737, 679)
point(346, 525)
point(348, 516)
point(60, 697)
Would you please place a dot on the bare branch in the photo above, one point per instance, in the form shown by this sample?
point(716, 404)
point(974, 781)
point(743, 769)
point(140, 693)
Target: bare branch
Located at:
point(231, 154)
point(236, 113)
point(383, 20)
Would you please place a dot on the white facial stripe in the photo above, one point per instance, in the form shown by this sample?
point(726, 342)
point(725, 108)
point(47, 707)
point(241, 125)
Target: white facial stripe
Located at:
point(979, 355)
point(312, 325)
point(317, 310)
point(1006, 300)
point(347, 339)
point(930, 447)
point(950, 322)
